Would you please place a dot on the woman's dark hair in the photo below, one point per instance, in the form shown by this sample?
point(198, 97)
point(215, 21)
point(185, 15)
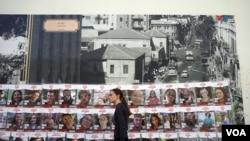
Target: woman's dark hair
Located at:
point(19, 91)
point(14, 118)
point(170, 91)
point(208, 114)
point(157, 117)
point(30, 117)
point(123, 100)
point(223, 91)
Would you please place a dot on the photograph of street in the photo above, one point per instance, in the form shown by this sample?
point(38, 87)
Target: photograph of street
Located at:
point(121, 49)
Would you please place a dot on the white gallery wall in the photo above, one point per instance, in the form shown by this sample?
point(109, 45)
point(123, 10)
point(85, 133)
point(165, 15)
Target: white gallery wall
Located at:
point(239, 8)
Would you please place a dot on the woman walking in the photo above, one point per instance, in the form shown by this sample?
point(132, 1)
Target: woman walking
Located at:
point(121, 115)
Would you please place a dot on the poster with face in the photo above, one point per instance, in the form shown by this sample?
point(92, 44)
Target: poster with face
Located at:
point(101, 98)
point(15, 121)
point(137, 122)
point(3, 97)
point(204, 96)
point(187, 96)
point(171, 121)
point(169, 97)
point(50, 121)
point(206, 121)
point(189, 121)
point(67, 98)
point(136, 98)
point(15, 97)
point(102, 122)
point(50, 98)
point(112, 122)
point(32, 98)
point(222, 118)
point(67, 122)
point(3, 118)
point(84, 98)
point(152, 97)
point(84, 122)
point(221, 95)
point(32, 121)
point(154, 121)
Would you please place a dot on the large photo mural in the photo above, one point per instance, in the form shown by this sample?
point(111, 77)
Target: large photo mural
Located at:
point(181, 64)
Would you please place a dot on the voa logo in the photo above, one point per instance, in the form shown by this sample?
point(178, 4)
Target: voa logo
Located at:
point(236, 132)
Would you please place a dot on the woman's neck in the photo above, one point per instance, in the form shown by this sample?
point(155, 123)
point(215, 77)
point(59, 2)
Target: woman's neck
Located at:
point(117, 102)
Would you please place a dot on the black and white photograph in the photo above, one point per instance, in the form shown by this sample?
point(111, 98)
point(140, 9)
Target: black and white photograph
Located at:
point(171, 45)
point(120, 49)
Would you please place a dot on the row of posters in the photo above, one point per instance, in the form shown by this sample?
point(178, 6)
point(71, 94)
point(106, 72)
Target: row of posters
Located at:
point(184, 111)
point(138, 122)
point(108, 136)
point(81, 96)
